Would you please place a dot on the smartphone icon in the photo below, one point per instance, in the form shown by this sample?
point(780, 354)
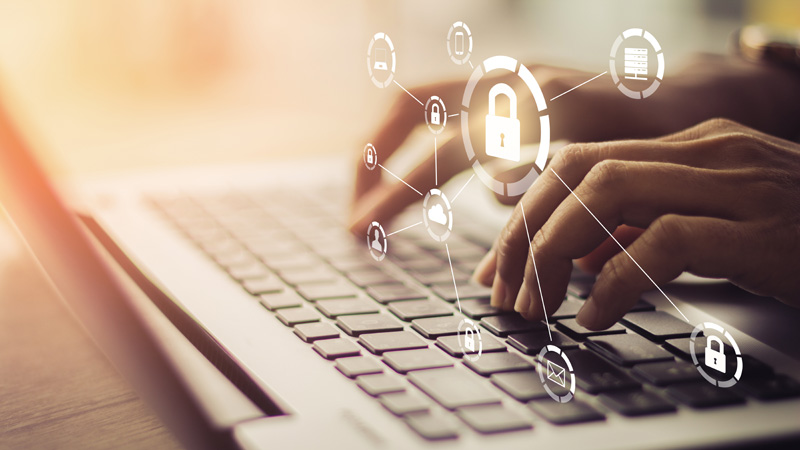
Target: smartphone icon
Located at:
point(459, 43)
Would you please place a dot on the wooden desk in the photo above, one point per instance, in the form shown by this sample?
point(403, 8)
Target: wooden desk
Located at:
point(56, 389)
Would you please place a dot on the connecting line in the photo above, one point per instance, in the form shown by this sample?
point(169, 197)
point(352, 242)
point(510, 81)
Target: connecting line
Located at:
point(462, 188)
point(452, 115)
point(403, 229)
point(435, 163)
point(409, 93)
point(576, 87)
point(390, 173)
point(470, 65)
point(623, 248)
point(535, 270)
point(455, 288)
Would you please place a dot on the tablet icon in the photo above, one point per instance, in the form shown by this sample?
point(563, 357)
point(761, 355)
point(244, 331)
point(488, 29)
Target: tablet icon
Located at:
point(556, 374)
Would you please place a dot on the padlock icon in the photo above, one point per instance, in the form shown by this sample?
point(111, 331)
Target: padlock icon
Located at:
point(370, 155)
point(502, 133)
point(469, 339)
point(715, 359)
point(435, 118)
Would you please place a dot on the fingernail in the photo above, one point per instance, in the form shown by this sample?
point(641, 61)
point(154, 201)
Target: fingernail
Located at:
point(498, 292)
point(483, 273)
point(588, 315)
point(523, 299)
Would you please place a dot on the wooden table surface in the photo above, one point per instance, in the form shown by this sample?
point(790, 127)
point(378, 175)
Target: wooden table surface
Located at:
point(57, 390)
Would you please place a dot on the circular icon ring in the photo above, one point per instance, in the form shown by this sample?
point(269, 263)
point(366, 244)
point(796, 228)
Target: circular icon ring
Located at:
point(437, 215)
point(459, 43)
point(370, 157)
point(471, 340)
point(634, 62)
point(692, 351)
point(506, 64)
point(376, 241)
point(556, 373)
point(435, 114)
point(379, 61)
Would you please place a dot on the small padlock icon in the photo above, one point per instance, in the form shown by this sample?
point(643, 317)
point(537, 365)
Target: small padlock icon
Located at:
point(715, 359)
point(502, 133)
point(435, 118)
point(469, 339)
point(370, 155)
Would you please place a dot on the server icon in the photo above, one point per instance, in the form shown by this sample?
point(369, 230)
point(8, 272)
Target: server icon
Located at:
point(636, 63)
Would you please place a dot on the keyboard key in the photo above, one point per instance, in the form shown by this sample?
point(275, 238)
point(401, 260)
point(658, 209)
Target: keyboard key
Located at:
point(703, 395)
point(380, 384)
point(450, 344)
point(504, 325)
point(402, 403)
point(479, 308)
point(571, 327)
point(435, 327)
point(346, 307)
point(263, 285)
point(533, 342)
point(314, 292)
point(453, 388)
point(491, 363)
point(442, 276)
point(667, 373)
point(420, 309)
point(569, 308)
point(370, 277)
point(581, 288)
point(291, 261)
point(369, 323)
point(287, 299)
point(293, 316)
point(355, 366)
point(394, 292)
point(657, 325)
point(773, 388)
point(310, 332)
point(378, 343)
point(680, 347)
point(574, 411)
point(636, 403)
point(466, 289)
point(628, 349)
point(408, 360)
point(336, 348)
point(249, 272)
point(596, 375)
point(524, 386)
point(320, 274)
point(432, 427)
point(493, 419)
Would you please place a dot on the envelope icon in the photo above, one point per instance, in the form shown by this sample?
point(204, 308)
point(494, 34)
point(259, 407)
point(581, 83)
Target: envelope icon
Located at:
point(556, 374)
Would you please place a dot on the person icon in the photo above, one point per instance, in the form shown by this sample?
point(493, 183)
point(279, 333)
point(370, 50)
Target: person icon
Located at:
point(376, 243)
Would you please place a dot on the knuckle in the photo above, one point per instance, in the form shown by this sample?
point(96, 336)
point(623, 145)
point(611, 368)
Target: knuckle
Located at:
point(720, 123)
point(614, 273)
point(667, 234)
point(605, 174)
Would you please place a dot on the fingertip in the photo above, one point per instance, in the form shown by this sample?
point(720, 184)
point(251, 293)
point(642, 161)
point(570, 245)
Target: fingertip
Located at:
point(589, 315)
point(484, 273)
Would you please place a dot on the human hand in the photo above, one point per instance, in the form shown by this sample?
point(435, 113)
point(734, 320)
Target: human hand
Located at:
point(717, 200)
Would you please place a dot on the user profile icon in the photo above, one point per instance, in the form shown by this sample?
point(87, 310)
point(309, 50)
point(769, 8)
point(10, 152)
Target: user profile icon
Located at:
point(381, 60)
point(437, 215)
point(376, 241)
point(459, 43)
point(435, 114)
point(370, 157)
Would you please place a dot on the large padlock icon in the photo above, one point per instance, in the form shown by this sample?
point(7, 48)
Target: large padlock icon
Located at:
point(435, 117)
point(370, 155)
point(502, 133)
point(715, 359)
point(469, 339)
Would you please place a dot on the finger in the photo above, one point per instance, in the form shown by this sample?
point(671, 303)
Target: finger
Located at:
point(704, 246)
point(386, 201)
point(631, 193)
point(593, 262)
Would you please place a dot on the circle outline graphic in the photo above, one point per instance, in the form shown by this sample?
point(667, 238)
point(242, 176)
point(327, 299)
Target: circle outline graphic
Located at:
point(612, 70)
point(474, 356)
point(443, 113)
point(453, 57)
point(540, 360)
point(364, 156)
point(385, 37)
point(379, 257)
point(739, 363)
point(440, 194)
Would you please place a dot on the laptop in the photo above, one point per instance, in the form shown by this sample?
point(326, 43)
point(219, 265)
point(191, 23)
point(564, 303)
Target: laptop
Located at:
point(316, 344)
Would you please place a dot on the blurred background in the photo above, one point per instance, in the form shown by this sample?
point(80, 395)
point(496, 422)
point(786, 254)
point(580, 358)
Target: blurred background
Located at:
point(127, 84)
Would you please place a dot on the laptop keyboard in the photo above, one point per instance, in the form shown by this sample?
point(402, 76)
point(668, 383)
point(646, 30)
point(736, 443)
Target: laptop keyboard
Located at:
point(392, 326)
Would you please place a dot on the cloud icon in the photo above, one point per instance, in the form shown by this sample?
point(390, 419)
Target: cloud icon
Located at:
point(436, 214)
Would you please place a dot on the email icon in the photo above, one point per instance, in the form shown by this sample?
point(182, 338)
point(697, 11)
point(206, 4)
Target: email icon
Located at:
point(556, 374)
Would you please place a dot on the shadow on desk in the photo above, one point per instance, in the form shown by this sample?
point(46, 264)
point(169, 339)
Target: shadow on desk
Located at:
point(57, 389)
